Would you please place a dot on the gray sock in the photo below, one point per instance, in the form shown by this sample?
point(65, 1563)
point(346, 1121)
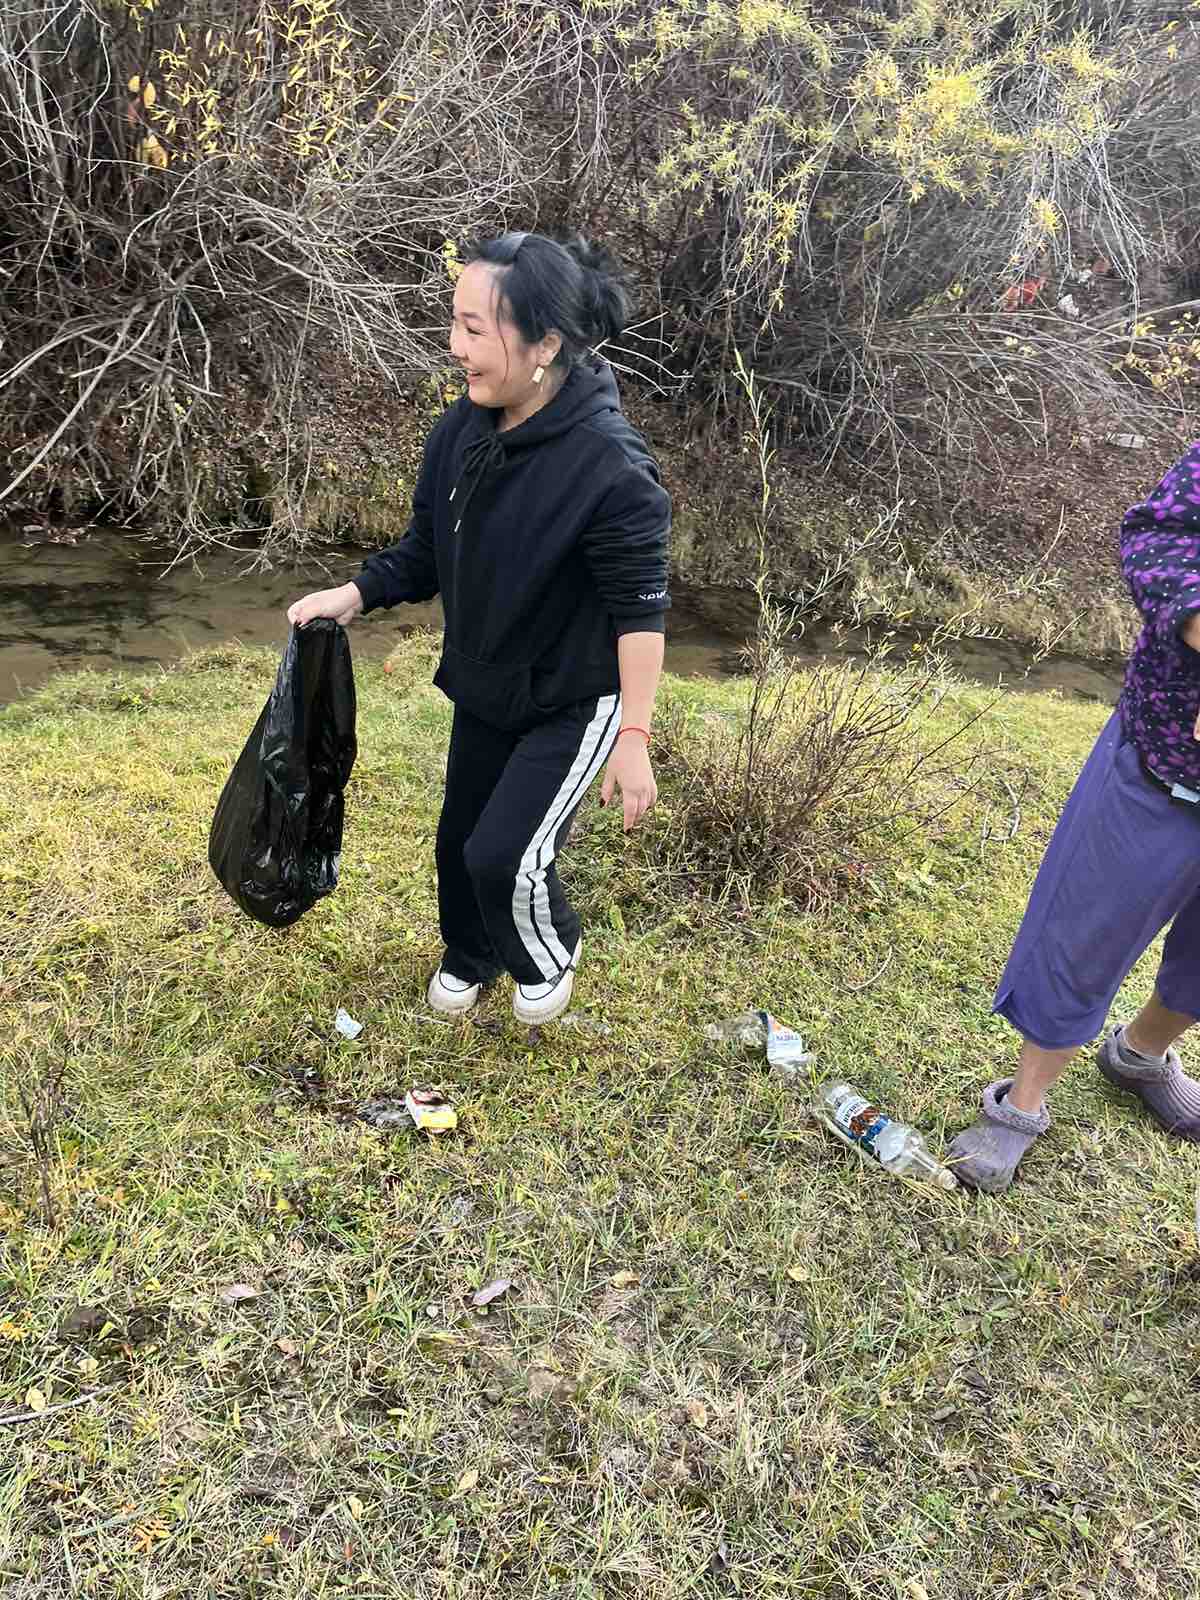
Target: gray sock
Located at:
point(1133, 1059)
point(1170, 1096)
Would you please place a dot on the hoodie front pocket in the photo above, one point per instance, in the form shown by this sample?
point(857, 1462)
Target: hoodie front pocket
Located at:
point(498, 693)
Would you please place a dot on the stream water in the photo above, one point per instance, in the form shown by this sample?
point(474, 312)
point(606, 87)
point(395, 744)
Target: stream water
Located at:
point(111, 599)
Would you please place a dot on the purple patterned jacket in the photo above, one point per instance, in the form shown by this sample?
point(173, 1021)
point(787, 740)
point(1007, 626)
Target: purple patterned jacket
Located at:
point(1160, 556)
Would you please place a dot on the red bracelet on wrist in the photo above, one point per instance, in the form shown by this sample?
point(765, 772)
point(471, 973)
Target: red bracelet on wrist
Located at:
point(645, 732)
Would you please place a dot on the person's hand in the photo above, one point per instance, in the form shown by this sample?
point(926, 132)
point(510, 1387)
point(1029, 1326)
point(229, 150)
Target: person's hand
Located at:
point(343, 605)
point(630, 771)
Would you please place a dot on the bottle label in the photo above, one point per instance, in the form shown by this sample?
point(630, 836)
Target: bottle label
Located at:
point(861, 1121)
point(785, 1047)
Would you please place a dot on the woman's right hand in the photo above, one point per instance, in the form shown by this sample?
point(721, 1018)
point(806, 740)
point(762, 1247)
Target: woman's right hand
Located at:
point(343, 605)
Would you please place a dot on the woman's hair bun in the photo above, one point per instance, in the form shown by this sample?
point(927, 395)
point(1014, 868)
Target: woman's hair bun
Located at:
point(606, 297)
point(572, 286)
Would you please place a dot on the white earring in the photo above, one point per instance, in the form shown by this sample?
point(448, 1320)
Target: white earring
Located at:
point(538, 374)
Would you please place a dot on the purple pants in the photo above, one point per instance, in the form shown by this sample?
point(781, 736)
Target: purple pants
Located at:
point(1123, 863)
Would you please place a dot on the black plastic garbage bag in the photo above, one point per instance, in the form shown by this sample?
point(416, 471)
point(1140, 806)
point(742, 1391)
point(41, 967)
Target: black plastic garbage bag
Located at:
point(276, 837)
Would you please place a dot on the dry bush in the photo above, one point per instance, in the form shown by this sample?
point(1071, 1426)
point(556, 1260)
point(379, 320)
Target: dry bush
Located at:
point(193, 204)
point(802, 793)
point(848, 197)
point(195, 209)
point(797, 792)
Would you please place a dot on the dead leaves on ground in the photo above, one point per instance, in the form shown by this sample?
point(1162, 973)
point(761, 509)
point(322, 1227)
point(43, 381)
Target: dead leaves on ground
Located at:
point(482, 1298)
point(235, 1294)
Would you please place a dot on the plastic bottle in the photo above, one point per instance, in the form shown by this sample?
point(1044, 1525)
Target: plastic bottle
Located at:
point(747, 1028)
point(898, 1148)
point(786, 1055)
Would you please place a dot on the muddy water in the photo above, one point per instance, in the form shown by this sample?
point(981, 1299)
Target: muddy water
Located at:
point(111, 600)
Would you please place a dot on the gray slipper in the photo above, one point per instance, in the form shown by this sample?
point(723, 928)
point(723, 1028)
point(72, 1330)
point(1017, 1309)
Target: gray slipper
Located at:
point(985, 1155)
point(1169, 1095)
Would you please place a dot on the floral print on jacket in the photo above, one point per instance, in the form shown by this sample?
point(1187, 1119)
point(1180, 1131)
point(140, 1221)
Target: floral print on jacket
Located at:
point(1160, 556)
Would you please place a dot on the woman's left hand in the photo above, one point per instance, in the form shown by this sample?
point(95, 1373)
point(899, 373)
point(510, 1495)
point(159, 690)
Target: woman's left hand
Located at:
point(630, 771)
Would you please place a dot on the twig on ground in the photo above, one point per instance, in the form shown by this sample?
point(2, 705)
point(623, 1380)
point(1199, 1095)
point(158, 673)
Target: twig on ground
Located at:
point(1015, 820)
point(857, 988)
point(63, 1405)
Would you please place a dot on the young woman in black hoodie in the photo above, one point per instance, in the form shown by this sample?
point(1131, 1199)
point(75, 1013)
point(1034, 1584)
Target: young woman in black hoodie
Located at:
point(540, 519)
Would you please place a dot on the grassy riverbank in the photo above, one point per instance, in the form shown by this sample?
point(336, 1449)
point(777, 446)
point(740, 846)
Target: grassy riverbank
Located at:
point(733, 1362)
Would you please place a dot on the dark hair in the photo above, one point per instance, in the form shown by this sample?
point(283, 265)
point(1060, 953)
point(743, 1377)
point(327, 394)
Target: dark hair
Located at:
point(575, 289)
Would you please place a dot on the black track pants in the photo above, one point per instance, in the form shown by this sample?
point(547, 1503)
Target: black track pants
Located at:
point(510, 798)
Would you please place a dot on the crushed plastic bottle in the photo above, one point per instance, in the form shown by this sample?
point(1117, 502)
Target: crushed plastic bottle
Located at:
point(786, 1054)
point(897, 1147)
point(747, 1028)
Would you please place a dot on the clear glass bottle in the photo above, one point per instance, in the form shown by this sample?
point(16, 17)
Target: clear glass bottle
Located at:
point(897, 1147)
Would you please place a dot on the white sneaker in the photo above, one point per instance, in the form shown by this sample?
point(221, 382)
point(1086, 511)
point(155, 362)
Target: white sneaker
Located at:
point(536, 1003)
point(451, 996)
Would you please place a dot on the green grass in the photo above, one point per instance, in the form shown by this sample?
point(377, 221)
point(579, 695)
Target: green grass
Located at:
point(725, 1335)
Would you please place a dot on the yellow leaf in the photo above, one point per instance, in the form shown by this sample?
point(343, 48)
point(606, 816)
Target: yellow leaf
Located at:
point(355, 1507)
point(624, 1280)
point(797, 1274)
point(35, 1400)
point(135, 83)
point(697, 1413)
point(149, 95)
point(468, 1481)
point(88, 1365)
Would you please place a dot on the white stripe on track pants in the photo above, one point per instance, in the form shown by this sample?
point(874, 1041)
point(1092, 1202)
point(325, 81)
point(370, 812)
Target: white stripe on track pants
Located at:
point(509, 801)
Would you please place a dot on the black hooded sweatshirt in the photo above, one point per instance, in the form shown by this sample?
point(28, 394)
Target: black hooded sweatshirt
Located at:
point(546, 543)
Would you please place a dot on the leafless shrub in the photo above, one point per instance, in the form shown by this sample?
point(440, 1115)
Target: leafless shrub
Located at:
point(196, 210)
point(851, 206)
point(799, 794)
point(796, 792)
point(194, 207)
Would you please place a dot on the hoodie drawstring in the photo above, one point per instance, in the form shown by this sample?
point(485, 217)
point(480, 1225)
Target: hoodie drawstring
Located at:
point(480, 457)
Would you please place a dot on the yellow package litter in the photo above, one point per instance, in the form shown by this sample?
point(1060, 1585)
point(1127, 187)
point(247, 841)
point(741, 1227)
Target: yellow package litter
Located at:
point(431, 1111)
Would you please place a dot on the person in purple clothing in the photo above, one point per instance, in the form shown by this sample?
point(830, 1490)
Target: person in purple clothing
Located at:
point(1124, 862)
